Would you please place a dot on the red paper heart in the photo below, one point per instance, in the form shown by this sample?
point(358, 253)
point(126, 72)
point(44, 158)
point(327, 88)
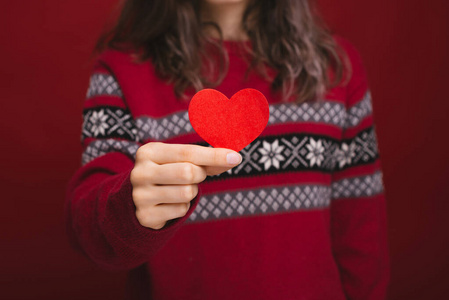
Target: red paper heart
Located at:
point(229, 123)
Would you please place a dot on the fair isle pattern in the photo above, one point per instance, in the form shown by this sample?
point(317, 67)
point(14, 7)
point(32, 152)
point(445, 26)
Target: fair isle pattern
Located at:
point(108, 122)
point(270, 200)
point(98, 148)
point(158, 129)
point(363, 186)
point(325, 112)
point(163, 128)
point(296, 152)
point(264, 155)
point(332, 113)
point(365, 149)
point(267, 200)
point(274, 154)
point(103, 85)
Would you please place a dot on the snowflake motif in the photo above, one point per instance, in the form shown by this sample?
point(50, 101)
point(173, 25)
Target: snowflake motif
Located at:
point(345, 154)
point(316, 151)
point(271, 154)
point(98, 120)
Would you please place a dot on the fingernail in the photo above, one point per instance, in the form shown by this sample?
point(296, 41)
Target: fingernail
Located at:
point(233, 158)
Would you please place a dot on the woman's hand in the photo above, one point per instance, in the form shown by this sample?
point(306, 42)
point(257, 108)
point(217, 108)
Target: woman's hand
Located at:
point(165, 178)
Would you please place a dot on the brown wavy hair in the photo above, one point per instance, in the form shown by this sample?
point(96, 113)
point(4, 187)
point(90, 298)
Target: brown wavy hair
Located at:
point(286, 35)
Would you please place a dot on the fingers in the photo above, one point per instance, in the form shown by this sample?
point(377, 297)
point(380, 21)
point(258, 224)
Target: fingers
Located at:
point(162, 153)
point(174, 173)
point(177, 173)
point(165, 178)
point(157, 216)
point(161, 194)
point(159, 204)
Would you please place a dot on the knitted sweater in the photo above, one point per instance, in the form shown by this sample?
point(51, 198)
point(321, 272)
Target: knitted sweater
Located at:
point(302, 217)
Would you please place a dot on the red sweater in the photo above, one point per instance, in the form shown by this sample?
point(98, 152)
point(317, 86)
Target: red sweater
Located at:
point(302, 217)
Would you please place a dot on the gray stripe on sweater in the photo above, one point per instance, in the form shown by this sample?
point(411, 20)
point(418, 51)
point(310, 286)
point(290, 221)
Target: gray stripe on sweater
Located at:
point(267, 200)
point(361, 186)
point(99, 148)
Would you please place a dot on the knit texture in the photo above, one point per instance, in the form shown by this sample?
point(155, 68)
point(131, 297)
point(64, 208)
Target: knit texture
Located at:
point(302, 217)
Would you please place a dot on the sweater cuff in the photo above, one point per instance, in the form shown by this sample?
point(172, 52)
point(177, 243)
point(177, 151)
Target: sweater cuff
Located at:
point(122, 223)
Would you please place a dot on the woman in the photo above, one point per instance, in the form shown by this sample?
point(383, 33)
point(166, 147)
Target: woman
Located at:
point(298, 214)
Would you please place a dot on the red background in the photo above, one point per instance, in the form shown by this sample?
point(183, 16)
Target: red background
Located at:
point(45, 65)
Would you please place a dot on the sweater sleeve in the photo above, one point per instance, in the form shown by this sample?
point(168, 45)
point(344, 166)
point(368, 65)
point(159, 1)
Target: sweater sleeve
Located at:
point(100, 212)
point(358, 212)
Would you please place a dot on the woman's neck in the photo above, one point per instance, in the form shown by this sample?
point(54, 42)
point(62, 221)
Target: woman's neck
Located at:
point(228, 16)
